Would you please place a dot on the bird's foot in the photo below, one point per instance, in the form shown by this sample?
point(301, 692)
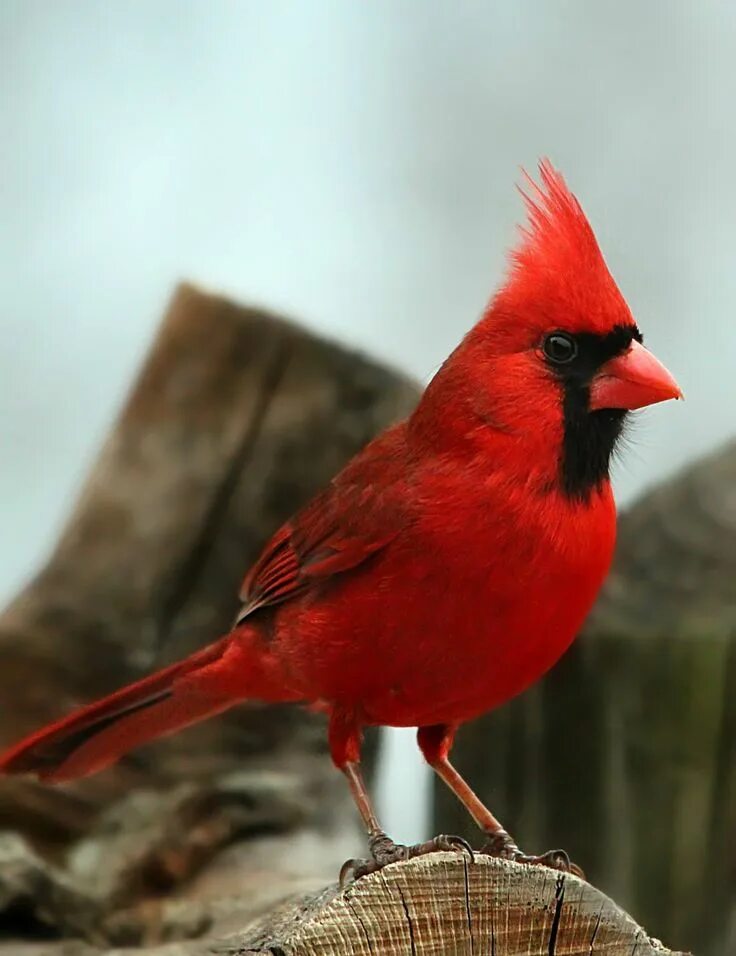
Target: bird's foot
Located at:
point(383, 851)
point(502, 845)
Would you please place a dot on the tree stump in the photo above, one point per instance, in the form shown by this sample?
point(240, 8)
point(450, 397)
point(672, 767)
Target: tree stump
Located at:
point(626, 753)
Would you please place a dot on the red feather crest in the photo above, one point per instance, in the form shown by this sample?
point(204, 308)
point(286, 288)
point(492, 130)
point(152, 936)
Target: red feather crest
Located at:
point(558, 264)
point(557, 224)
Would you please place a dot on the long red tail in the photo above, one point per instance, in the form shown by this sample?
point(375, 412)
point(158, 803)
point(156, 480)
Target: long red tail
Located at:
point(95, 736)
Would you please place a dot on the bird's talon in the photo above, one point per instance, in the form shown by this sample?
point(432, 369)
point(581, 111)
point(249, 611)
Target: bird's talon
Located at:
point(441, 843)
point(557, 859)
point(502, 845)
point(456, 843)
point(384, 851)
point(353, 870)
point(347, 873)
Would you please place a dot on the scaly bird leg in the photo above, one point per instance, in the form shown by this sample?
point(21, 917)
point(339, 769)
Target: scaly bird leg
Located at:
point(345, 739)
point(435, 743)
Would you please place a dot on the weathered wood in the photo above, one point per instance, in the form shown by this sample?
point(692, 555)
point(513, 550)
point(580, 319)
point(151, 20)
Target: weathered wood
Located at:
point(236, 419)
point(444, 904)
point(626, 753)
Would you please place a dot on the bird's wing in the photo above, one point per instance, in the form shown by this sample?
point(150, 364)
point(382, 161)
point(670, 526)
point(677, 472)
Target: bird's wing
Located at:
point(356, 516)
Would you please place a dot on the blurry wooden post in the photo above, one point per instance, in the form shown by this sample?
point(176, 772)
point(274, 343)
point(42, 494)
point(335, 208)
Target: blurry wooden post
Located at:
point(236, 419)
point(626, 753)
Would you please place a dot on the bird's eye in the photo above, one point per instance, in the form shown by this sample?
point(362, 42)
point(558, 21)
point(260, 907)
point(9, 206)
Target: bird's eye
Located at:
point(560, 348)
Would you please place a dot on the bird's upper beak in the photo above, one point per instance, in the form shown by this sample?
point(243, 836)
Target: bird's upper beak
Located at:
point(632, 380)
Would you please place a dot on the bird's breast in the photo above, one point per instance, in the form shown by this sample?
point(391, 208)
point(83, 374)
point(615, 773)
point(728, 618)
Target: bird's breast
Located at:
point(466, 608)
point(485, 607)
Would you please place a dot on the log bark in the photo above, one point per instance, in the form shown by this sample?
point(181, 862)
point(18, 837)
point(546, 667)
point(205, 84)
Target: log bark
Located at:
point(626, 753)
point(236, 419)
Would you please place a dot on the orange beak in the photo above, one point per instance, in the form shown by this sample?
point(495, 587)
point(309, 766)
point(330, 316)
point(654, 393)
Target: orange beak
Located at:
point(632, 380)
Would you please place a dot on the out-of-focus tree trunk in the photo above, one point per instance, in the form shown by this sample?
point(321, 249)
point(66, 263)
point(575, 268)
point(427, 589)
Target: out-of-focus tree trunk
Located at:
point(237, 418)
point(626, 753)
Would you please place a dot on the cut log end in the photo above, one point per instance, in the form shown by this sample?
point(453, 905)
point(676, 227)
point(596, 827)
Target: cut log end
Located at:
point(444, 903)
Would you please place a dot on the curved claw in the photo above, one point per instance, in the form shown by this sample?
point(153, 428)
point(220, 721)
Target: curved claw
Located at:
point(449, 842)
point(353, 869)
point(383, 851)
point(555, 859)
point(558, 859)
point(502, 845)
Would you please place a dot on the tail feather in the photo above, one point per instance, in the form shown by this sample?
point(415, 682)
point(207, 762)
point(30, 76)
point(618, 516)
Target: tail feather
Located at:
point(95, 736)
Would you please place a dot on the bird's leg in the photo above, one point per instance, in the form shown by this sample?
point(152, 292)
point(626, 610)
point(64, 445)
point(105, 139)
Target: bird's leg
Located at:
point(345, 740)
point(435, 742)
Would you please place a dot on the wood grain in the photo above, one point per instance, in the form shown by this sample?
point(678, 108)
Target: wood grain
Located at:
point(445, 904)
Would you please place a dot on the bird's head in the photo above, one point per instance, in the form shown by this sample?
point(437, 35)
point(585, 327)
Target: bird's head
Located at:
point(557, 357)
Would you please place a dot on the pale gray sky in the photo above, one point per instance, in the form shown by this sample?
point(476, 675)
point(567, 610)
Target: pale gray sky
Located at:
point(353, 164)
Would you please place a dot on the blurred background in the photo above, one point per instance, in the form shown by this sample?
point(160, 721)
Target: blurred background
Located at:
point(352, 165)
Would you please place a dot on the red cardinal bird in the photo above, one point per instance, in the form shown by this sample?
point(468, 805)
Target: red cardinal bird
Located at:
point(451, 562)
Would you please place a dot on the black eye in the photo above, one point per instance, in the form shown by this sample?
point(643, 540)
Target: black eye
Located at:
point(560, 348)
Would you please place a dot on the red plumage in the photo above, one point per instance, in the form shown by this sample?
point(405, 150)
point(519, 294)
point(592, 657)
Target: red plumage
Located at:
point(454, 559)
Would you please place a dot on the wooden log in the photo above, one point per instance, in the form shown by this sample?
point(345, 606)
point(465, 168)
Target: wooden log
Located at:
point(445, 904)
point(626, 753)
point(236, 419)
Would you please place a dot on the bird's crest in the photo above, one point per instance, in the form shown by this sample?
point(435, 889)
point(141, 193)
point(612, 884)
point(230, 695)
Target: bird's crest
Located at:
point(557, 223)
point(558, 261)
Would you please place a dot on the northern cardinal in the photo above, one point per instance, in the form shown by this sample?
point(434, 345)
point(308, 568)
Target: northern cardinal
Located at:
point(450, 563)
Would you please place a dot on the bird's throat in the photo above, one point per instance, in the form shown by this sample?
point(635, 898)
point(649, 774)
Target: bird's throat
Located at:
point(588, 443)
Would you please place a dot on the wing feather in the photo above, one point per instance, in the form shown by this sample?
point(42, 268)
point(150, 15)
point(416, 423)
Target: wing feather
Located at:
point(356, 516)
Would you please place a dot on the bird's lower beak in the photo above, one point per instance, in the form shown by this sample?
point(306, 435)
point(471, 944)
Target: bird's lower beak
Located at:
point(632, 380)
